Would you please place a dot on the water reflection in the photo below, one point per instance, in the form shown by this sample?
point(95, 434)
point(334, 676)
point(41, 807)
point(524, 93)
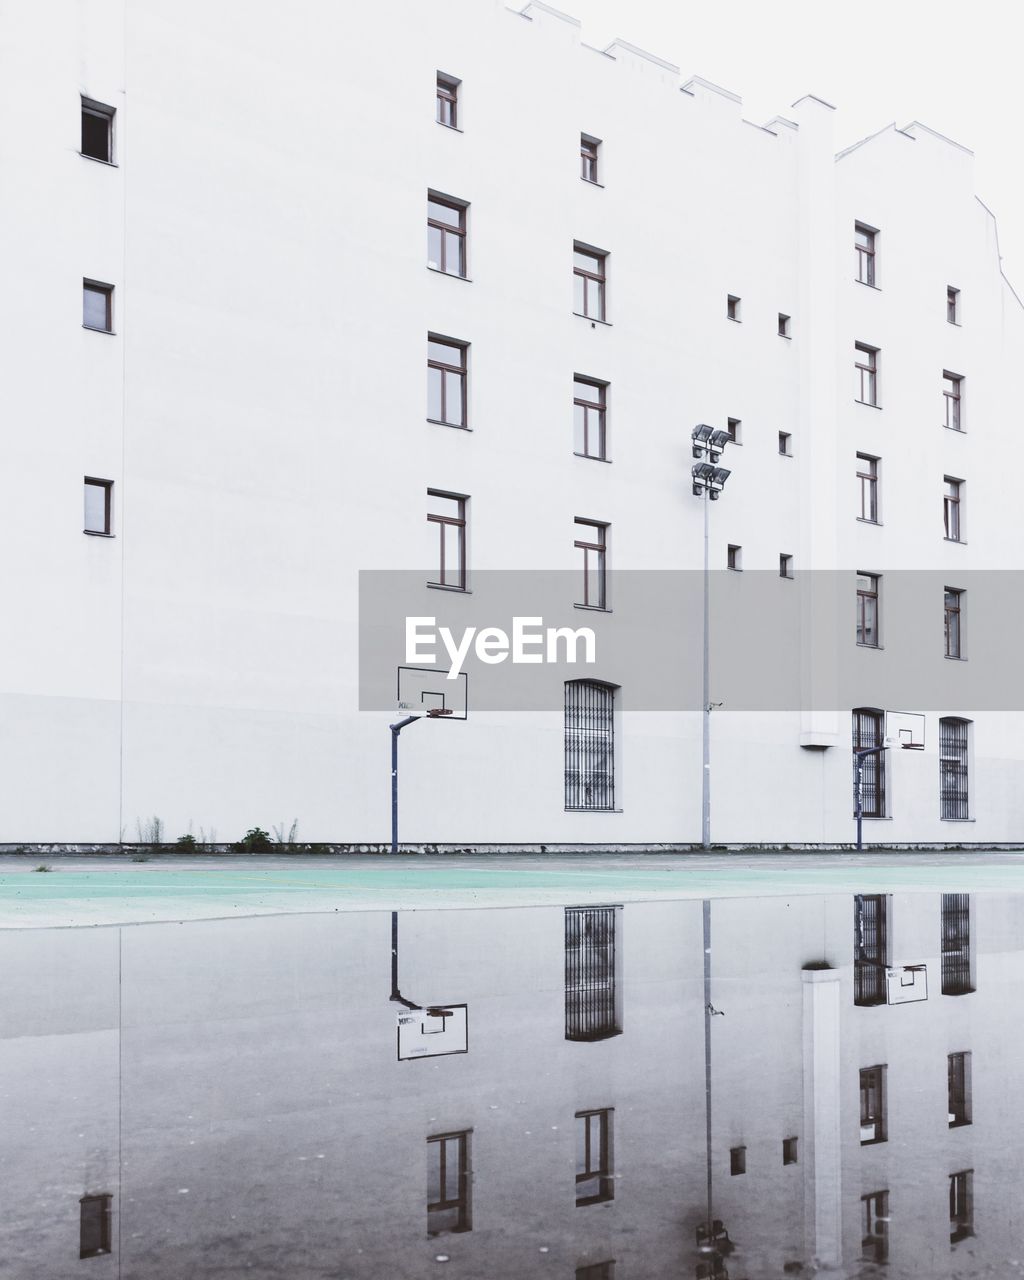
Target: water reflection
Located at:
point(738, 1088)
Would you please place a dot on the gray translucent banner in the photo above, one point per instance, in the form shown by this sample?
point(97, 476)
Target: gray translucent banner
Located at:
point(775, 643)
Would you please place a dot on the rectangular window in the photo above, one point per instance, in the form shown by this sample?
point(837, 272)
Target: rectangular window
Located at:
point(732, 307)
point(446, 236)
point(951, 508)
point(784, 444)
point(589, 155)
point(953, 768)
point(737, 1161)
point(596, 1271)
point(956, 944)
point(447, 101)
point(961, 1206)
point(874, 1216)
point(866, 374)
point(870, 947)
point(589, 273)
point(867, 479)
point(447, 382)
point(867, 609)
point(594, 1157)
point(589, 745)
point(94, 1225)
point(591, 1009)
point(97, 131)
point(592, 544)
point(789, 1146)
point(959, 1077)
point(735, 429)
point(784, 325)
point(872, 1106)
point(952, 305)
point(785, 565)
point(864, 245)
point(953, 607)
point(953, 394)
point(98, 306)
point(98, 504)
point(448, 1183)
point(590, 409)
point(447, 513)
point(734, 557)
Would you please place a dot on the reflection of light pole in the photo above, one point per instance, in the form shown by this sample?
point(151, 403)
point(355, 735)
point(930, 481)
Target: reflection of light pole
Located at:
point(708, 483)
point(858, 763)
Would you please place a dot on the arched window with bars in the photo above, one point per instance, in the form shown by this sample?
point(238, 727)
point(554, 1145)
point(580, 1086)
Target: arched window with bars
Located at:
point(589, 745)
point(869, 733)
point(953, 767)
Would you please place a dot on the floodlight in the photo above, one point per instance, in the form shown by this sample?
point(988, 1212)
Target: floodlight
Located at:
point(719, 439)
point(720, 475)
point(702, 471)
point(701, 433)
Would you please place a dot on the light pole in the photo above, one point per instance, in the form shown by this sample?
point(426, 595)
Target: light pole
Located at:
point(708, 482)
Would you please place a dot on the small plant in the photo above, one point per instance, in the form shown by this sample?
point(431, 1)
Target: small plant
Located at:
point(280, 836)
point(42, 867)
point(151, 832)
point(255, 840)
point(187, 843)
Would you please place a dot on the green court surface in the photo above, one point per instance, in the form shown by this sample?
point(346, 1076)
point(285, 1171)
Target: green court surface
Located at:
point(83, 891)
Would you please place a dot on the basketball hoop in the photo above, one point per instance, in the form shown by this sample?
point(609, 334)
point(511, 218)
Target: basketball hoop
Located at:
point(434, 712)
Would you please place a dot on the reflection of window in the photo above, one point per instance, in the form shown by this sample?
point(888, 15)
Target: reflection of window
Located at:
point(594, 1157)
point(866, 374)
point(953, 608)
point(447, 513)
point(592, 543)
point(590, 406)
point(868, 730)
point(94, 1225)
point(446, 236)
point(953, 798)
point(959, 1079)
point(867, 609)
point(737, 1161)
point(589, 272)
point(789, 1148)
point(596, 1271)
point(956, 944)
point(864, 244)
point(961, 1206)
point(870, 948)
point(448, 1183)
point(446, 382)
point(874, 1218)
point(590, 997)
point(872, 1105)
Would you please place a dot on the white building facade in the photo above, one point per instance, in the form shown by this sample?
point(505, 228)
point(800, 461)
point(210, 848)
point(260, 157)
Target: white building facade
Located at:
point(263, 225)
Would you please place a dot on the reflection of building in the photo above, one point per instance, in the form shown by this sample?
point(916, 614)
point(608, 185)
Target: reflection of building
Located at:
point(407, 317)
point(232, 1087)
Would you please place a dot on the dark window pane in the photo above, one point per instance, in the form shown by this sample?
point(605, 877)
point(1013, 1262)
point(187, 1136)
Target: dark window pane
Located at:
point(95, 134)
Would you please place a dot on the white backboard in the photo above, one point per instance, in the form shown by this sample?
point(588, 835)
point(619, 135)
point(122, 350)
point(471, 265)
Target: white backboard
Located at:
point(433, 1033)
point(904, 729)
point(907, 984)
point(422, 690)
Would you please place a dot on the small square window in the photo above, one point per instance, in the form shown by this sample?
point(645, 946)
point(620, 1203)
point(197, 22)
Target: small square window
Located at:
point(98, 505)
point(734, 557)
point(952, 305)
point(590, 155)
point(784, 322)
point(785, 444)
point(448, 101)
point(97, 131)
point(98, 306)
point(737, 1161)
point(735, 428)
point(785, 565)
point(732, 307)
point(789, 1151)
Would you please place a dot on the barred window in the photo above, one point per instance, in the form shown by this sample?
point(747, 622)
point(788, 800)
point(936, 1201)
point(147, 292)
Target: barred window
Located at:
point(956, 944)
point(870, 948)
point(589, 745)
point(448, 1183)
point(953, 767)
point(869, 731)
point(591, 1009)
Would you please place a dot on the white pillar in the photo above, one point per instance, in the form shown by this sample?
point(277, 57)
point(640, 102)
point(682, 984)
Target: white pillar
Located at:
point(823, 1203)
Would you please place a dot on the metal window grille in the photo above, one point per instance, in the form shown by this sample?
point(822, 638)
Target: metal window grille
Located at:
point(870, 949)
point(956, 944)
point(868, 731)
point(959, 1105)
point(589, 745)
point(953, 768)
point(590, 1011)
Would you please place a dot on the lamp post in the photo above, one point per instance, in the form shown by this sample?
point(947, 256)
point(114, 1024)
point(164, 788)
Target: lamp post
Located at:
point(708, 482)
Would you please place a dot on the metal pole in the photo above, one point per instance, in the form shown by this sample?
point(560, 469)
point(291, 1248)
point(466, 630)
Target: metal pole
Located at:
point(705, 826)
point(707, 1054)
point(396, 729)
point(860, 801)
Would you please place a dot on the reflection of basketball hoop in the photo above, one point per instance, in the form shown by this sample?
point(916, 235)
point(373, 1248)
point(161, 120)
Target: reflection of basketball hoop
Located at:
point(434, 712)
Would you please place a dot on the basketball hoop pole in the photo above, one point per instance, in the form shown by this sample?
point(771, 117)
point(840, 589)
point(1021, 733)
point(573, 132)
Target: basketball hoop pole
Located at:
point(858, 764)
point(396, 729)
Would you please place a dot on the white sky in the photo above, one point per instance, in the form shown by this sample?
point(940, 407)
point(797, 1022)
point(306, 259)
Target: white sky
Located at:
point(956, 67)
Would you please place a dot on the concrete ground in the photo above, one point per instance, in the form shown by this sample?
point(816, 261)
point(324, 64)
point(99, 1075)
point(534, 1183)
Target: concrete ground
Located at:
point(98, 890)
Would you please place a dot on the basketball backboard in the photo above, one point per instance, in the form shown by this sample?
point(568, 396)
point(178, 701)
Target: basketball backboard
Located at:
point(427, 691)
point(904, 729)
point(434, 1032)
